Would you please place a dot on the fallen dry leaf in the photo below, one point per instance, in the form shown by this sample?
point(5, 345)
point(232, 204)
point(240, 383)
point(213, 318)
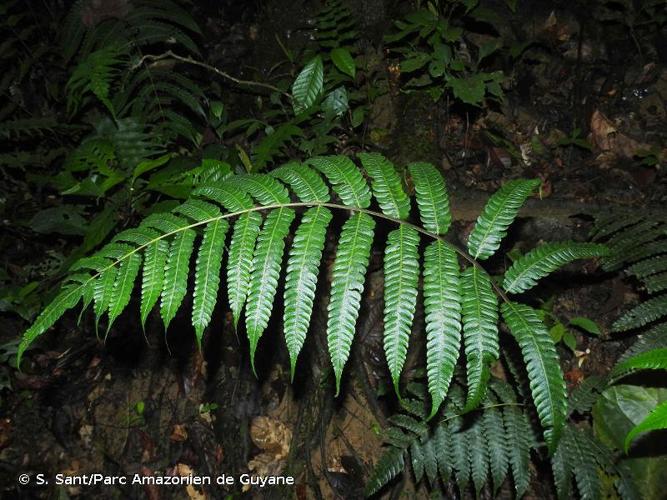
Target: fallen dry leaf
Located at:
point(179, 433)
point(606, 137)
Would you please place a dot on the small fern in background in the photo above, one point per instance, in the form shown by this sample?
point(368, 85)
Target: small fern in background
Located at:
point(108, 47)
point(638, 244)
point(161, 248)
point(486, 448)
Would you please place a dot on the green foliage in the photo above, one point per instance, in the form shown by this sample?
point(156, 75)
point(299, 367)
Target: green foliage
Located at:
point(639, 245)
point(481, 447)
point(542, 261)
point(433, 53)
point(498, 215)
point(199, 226)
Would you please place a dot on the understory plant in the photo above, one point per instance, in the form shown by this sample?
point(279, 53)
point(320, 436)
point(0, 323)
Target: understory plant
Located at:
point(461, 303)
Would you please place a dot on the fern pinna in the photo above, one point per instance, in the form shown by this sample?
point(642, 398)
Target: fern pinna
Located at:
point(258, 210)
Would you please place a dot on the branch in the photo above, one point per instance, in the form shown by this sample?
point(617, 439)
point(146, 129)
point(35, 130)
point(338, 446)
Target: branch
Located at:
point(171, 55)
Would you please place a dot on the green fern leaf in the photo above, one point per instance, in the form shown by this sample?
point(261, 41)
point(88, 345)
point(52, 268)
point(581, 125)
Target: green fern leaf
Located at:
point(103, 291)
point(127, 273)
point(582, 460)
point(517, 437)
point(176, 275)
point(499, 212)
point(656, 283)
point(645, 268)
point(139, 236)
point(432, 198)
point(458, 450)
point(302, 271)
point(494, 434)
point(655, 359)
point(346, 179)
point(442, 305)
point(386, 185)
point(67, 298)
point(265, 189)
point(584, 396)
point(562, 472)
point(239, 264)
point(655, 420)
point(304, 181)
point(643, 314)
point(480, 331)
point(417, 460)
point(244, 236)
point(441, 441)
point(265, 273)
point(307, 86)
point(546, 378)
point(349, 273)
point(155, 258)
point(207, 275)
point(477, 456)
point(654, 338)
point(430, 460)
point(165, 222)
point(198, 210)
point(391, 463)
point(401, 274)
point(538, 263)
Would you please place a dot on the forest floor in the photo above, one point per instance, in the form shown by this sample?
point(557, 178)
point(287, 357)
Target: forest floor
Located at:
point(136, 404)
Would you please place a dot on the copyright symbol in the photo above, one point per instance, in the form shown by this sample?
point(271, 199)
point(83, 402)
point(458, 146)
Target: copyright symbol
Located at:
point(24, 479)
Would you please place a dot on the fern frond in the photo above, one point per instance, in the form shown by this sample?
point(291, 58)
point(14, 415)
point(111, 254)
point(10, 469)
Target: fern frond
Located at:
point(68, 297)
point(306, 183)
point(95, 74)
point(650, 266)
point(477, 445)
point(265, 273)
point(562, 472)
point(348, 273)
point(655, 359)
point(656, 283)
point(155, 258)
point(458, 452)
point(480, 331)
point(386, 185)
point(176, 275)
point(432, 198)
point(302, 271)
point(654, 338)
point(244, 235)
point(542, 261)
point(266, 190)
point(401, 274)
point(239, 264)
point(584, 396)
point(345, 178)
point(499, 212)
point(546, 378)
point(582, 460)
point(643, 314)
point(391, 463)
point(103, 291)
point(442, 305)
point(207, 275)
point(494, 433)
point(128, 270)
point(517, 436)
